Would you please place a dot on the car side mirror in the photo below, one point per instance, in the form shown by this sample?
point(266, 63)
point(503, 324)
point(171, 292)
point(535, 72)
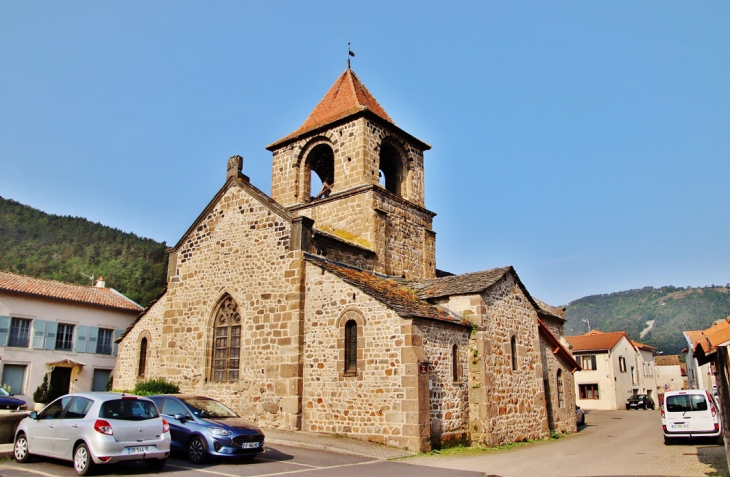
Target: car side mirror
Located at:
point(180, 417)
point(33, 415)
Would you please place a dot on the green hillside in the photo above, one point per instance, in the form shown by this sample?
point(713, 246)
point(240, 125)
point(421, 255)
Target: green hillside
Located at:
point(65, 248)
point(674, 310)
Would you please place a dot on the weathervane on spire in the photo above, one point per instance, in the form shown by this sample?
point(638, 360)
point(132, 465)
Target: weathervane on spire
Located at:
point(349, 54)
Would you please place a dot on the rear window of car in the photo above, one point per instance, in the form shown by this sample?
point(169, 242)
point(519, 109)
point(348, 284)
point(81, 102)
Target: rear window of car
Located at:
point(128, 410)
point(686, 403)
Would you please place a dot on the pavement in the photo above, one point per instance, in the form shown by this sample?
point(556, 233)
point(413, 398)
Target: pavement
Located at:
point(307, 440)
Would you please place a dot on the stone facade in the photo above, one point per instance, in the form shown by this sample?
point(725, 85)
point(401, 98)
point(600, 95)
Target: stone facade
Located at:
point(322, 311)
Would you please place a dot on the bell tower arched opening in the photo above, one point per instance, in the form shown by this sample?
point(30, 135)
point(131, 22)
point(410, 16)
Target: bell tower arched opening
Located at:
point(393, 170)
point(319, 172)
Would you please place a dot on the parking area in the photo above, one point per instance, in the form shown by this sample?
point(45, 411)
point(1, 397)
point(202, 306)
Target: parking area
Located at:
point(278, 460)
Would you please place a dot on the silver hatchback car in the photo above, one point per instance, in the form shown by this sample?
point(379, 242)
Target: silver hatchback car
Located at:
point(91, 429)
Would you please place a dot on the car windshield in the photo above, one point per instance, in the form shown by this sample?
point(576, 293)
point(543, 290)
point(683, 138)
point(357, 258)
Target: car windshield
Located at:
point(3, 392)
point(127, 409)
point(203, 407)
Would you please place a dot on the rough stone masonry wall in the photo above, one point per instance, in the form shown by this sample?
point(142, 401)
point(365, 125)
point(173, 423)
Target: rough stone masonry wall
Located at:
point(356, 147)
point(150, 327)
point(563, 418)
point(448, 398)
point(240, 248)
point(507, 405)
point(377, 404)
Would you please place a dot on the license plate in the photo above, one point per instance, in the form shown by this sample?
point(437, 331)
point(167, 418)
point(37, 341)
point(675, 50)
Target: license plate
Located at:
point(250, 445)
point(680, 426)
point(139, 450)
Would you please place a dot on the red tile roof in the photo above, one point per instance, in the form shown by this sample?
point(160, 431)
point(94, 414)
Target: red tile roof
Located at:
point(643, 346)
point(694, 336)
point(346, 97)
point(714, 336)
point(668, 360)
point(106, 297)
point(596, 341)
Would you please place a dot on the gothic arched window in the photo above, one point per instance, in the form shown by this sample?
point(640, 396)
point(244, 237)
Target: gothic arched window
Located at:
point(513, 346)
point(350, 347)
point(142, 358)
point(226, 341)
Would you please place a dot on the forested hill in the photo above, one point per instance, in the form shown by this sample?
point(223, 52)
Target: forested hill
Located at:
point(65, 248)
point(673, 310)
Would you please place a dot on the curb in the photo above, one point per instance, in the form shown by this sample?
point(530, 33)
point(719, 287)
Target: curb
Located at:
point(320, 447)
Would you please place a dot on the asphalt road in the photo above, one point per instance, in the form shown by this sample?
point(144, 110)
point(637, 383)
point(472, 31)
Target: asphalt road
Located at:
point(612, 443)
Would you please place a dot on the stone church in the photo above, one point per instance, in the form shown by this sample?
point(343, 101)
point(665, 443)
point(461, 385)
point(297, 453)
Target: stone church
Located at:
point(320, 307)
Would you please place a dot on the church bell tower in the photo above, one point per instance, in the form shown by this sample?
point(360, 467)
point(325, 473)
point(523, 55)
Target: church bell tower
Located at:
point(360, 178)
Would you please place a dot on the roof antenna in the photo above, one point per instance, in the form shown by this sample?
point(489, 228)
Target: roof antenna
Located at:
point(349, 54)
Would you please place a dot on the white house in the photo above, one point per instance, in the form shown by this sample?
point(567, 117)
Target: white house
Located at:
point(647, 369)
point(698, 376)
point(611, 369)
point(61, 329)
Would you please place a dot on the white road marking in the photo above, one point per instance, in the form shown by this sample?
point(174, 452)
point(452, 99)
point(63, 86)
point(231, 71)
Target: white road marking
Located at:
point(206, 471)
point(38, 472)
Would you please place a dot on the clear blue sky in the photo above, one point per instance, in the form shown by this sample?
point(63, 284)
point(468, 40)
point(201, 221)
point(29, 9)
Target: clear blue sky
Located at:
point(587, 144)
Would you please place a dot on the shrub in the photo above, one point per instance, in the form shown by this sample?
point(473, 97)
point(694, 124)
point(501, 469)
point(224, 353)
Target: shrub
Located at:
point(43, 393)
point(155, 386)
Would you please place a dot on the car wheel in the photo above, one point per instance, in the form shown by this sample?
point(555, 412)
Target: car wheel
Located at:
point(20, 449)
point(83, 463)
point(155, 464)
point(196, 450)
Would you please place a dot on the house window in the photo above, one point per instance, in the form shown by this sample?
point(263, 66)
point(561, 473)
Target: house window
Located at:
point(513, 347)
point(633, 377)
point(142, 358)
point(588, 391)
point(588, 362)
point(227, 341)
point(64, 337)
point(455, 363)
point(561, 398)
point(351, 347)
point(19, 332)
point(622, 364)
point(14, 377)
point(104, 343)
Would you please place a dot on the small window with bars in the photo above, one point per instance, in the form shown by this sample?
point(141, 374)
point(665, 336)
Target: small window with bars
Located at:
point(65, 337)
point(19, 332)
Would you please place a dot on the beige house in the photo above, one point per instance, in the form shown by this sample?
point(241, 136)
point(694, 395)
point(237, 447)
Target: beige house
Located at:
point(64, 330)
point(611, 369)
point(320, 307)
point(698, 376)
point(669, 374)
point(647, 374)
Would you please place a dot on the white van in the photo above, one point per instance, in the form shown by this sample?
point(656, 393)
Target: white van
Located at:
point(688, 414)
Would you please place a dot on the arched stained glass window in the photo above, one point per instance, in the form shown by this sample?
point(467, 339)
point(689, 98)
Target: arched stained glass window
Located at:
point(350, 347)
point(513, 346)
point(561, 398)
point(227, 341)
point(142, 358)
point(455, 363)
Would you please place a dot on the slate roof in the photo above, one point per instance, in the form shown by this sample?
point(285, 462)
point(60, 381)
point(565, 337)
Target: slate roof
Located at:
point(596, 341)
point(667, 360)
point(392, 292)
point(550, 310)
point(106, 297)
point(465, 284)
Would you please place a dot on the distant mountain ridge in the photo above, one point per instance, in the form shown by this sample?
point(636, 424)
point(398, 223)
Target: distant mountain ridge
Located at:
point(673, 310)
point(65, 248)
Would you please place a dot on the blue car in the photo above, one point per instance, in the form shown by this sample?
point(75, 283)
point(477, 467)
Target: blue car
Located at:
point(8, 401)
point(203, 427)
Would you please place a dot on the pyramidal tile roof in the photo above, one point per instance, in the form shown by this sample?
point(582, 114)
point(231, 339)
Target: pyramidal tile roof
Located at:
point(106, 297)
point(667, 360)
point(346, 97)
point(596, 340)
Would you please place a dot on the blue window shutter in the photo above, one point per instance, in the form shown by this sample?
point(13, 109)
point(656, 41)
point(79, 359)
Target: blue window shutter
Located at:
point(51, 329)
point(117, 334)
point(4, 330)
point(81, 339)
point(91, 347)
point(39, 333)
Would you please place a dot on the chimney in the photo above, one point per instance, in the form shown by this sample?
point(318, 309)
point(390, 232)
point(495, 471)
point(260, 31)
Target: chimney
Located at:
point(100, 283)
